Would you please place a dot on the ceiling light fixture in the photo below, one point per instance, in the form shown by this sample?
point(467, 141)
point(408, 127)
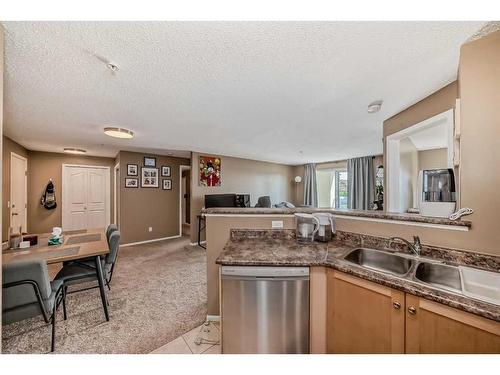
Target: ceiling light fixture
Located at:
point(375, 106)
point(119, 132)
point(76, 151)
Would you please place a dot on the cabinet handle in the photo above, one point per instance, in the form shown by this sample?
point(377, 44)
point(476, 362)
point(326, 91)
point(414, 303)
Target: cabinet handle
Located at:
point(396, 305)
point(412, 310)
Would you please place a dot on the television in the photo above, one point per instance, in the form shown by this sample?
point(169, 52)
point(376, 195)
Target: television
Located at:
point(220, 200)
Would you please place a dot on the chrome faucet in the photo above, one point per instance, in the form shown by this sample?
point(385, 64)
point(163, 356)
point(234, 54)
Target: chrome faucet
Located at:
point(415, 247)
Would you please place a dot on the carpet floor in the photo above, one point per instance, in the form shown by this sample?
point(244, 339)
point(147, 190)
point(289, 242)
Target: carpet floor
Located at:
point(158, 293)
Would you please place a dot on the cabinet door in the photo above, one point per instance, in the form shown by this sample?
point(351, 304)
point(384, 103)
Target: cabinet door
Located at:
point(435, 328)
point(363, 317)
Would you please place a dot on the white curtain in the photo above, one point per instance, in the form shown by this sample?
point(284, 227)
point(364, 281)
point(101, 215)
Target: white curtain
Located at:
point(360, 183)
point(310, 186)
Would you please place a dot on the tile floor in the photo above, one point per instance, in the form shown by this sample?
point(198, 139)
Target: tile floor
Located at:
point(186, 344)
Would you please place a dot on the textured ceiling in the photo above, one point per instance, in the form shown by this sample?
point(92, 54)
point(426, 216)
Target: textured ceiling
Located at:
point(261, 90)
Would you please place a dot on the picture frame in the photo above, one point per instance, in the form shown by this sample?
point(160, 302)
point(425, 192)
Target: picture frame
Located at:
point(149, 177)
point(149, 161)
point(166, 171)
point(167, 184)
point(132, 170)
point(131, 182)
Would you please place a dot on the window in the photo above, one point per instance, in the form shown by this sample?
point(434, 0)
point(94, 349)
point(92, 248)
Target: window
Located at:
point(332, 188)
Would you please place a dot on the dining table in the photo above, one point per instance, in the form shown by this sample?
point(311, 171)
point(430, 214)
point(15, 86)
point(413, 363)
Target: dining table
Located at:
point(76, 245)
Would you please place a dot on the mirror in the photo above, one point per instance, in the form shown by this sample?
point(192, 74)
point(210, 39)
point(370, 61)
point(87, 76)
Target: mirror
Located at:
point(420, 168)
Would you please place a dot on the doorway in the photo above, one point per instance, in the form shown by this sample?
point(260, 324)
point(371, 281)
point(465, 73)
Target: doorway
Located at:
point(85, 197)
point(18, 192)
point(185, 200)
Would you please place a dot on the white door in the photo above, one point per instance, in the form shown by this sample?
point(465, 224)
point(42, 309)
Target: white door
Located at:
point(86, 194)
point(18, 192)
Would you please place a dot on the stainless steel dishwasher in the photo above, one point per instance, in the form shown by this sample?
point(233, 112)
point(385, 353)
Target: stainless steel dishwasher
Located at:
point(265, 309)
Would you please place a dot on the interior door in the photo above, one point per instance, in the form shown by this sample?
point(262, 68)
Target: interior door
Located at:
point(86, 193)
point(76, 198)
point(18, 192)
point(96, 198)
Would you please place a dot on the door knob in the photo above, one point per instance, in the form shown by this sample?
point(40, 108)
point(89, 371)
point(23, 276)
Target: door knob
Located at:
point(396, 305)
point(412, 310)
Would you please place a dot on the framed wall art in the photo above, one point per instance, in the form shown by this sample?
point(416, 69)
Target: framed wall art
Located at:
point(149, 161)
point(210, 171)
point(149, 177)
point(165, 171)
point(131, 182)
point(167, 184)
point(132, 170)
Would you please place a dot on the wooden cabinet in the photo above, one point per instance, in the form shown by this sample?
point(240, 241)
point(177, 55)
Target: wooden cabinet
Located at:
point(435, 328)
point(363, 317)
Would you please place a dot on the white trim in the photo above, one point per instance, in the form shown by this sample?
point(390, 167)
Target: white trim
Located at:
point(213, 318)
point(181, 168)
point(64, 193)
point(149, 241)
point(25, 220)
point(360, 218)
point(459, 228)
point(392, 153)
point(115, 200)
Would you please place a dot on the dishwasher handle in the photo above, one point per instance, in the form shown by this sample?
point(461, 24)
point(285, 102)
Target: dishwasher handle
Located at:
point(265, 278)
point(254, 272)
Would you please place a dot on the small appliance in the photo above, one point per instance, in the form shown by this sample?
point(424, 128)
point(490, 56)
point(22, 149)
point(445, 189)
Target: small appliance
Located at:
point(306, 226)
point(437, 192)
point(326, 227)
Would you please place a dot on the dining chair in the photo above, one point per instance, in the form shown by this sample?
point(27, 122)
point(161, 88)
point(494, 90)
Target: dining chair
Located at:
point(82, 272)
point(27, 292)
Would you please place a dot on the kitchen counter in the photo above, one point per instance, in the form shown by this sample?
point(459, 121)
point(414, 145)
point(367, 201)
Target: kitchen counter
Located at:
point(378, 215)
point(280, 248)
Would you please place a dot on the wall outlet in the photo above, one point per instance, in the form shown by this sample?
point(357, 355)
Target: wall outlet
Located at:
point(150, 229)
point(277, 224)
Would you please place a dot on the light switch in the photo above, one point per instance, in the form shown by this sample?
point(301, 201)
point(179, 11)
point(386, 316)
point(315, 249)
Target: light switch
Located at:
point(150, 229)
point(277, 224)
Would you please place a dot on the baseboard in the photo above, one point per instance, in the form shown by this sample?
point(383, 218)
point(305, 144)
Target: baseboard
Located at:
point(149, 241)
point(213, 318)
point(196, 243)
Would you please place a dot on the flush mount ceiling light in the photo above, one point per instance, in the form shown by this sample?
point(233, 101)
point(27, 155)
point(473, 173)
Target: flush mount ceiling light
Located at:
point(375, 106)
point(76, 151)
point(119, 132)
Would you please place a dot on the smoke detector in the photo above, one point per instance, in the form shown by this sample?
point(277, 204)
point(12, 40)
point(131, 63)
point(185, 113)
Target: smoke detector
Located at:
point(114, 68)
point(374, 106)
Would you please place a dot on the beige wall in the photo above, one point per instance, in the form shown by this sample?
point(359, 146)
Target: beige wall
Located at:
point(45, 165)
point(8, 146)
point(436, 103)
point(408, 173)
point(243, 176)
point(141, 208)
point(433, 159)
point(479, 76)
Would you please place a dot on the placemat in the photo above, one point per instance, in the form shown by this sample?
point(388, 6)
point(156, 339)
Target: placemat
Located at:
point(23, 255)
point(85, 238)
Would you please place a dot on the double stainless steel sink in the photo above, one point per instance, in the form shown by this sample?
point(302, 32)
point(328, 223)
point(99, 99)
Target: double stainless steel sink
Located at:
point(485, 284)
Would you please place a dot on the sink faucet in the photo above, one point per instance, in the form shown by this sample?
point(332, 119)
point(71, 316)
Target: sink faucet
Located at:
point(415, 247)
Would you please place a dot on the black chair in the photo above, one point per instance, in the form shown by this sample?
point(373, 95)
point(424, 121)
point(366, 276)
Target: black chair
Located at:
point(28, 292)
point(264, 201)
point(79, 272)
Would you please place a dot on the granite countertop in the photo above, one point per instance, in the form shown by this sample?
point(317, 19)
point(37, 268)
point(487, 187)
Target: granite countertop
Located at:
point(382, 215)
point(280, 248)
